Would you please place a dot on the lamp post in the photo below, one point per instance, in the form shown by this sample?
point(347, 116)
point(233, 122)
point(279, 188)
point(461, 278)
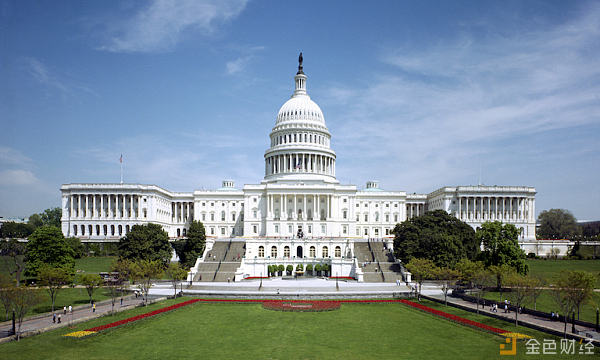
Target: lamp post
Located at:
point(597, 318)
point(573, 322)
point(336, 281)
point(260, 287)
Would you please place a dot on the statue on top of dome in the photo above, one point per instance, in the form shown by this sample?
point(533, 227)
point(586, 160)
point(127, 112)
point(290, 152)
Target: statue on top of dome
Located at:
point(300, 71)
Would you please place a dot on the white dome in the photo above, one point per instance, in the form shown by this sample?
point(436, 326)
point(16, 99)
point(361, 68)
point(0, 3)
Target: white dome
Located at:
point(300, 108)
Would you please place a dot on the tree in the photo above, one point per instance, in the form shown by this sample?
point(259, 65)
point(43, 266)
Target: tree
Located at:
point(309, 269)
point(571, 289)
point(91, 282)
point(537, 286)
point(481, 280)
point(280, 268)
point(520, 291)
point(318, 269)
point(14, 254)
point(7, 286)
point(77, 247)
point(54, 278)
point(557, 224)
point(193, 246)
point(35, 221)
point(446, 278)
point(420, 269)
point(47, 246)
point(289, 269)
point(325, 268)
point(122, 269)
point(500, 273)
point(51, 217)
point(14, 230)
point(23, 300)
point(147, 272)
point(177, 274)
point(436, 236)
point(145, 242)
point(501, 246)
point(468, 268)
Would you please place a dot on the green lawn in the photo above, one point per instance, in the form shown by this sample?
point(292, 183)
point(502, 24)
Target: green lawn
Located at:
point(229, 330)
point(549, 268)
point(94, 265)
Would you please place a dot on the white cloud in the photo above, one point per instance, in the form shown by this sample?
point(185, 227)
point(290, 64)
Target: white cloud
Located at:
point(162, 25)
point(18, 178)
point(445, 105)
point(11, 156)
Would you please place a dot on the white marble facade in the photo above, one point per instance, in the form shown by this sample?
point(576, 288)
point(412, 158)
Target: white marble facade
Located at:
point(298, 193)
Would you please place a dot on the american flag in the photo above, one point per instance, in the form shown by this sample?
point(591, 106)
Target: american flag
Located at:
point(121, 159)
point(299, 165)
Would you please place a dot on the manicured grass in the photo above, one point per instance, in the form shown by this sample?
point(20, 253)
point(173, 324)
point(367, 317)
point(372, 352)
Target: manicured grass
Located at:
point(232, 330)
point(549, 268)
point(94, 265)
point(66, 297)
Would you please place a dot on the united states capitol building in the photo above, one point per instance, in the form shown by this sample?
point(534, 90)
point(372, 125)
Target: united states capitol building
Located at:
point(299, 212)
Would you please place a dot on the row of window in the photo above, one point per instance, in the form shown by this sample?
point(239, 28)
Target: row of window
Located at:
point(299, 138)
point(376, 205)
point(98, 232)
point(311, 252)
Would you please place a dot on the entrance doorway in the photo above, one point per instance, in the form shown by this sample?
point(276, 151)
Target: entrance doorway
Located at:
point(299, 254)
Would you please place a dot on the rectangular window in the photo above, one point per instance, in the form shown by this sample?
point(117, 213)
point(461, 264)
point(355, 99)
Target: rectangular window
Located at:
point(232, 217)
point(357, 231)
point(366, 232)
point(212, 204)
point(212, 231)
point(366, 217)
point(203, 204)
point(345, 214)
point(203, 217)
point(322, 229)
point(254, 229)
point(395, 217)
point(344, 230)
point(276, 229)
point(309, 229)
point(222, 231)
point(345, 200)
point(387, 217)
point(290, 229)
point(212, 217)
point(255, 214)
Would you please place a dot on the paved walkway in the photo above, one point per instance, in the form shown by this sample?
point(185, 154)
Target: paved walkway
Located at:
point(584, 331)
point(79, 312)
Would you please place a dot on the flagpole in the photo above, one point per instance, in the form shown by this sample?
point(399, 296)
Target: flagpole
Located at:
point(121, 161)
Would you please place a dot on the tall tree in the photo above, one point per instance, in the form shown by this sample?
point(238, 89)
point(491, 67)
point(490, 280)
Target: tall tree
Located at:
point(51, 217)
point(35, 220)
point(520, 291)
point(6, 293)
point(571, 289)
point(446, 279)
point(47, 245)
point(122, 268)
point(91, 282)
point(482, 279)
point(177, 274)
point(54, 279)
point(501, 246)
point(436, 236)
point(468, 269)
point(15, 230)
point(147, 272)
point(193, 246)
point(500, 274)
point(25, 298)
point(145, 242)
point(14, 254)
point(77, 247)
point(420, 269)
point(557, 224)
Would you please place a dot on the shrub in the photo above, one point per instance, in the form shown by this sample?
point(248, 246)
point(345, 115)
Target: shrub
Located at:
point(289, 269)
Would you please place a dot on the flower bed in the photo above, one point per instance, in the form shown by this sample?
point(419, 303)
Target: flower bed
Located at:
point(342, 278)
point(301, 305)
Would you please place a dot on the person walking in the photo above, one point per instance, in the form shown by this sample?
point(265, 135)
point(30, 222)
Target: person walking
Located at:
point(59, 316)
point(54, 318)
point(65, 310)
point(94, 307)
point(70, 309)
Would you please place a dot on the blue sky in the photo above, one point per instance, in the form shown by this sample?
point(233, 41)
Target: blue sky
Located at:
point(416, 94)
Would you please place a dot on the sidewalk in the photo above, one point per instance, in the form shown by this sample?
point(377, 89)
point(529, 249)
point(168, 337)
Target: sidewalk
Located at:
point(540, 323)
point(43, 322)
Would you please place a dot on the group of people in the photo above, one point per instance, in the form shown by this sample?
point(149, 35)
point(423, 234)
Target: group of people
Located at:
point(554, 316)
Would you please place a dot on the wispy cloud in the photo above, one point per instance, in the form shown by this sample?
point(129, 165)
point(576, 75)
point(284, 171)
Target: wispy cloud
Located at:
point(12, 156)
point(64, 85)
point(445, 104)
point(18, 177)
point(163, 24)
point(240, 63)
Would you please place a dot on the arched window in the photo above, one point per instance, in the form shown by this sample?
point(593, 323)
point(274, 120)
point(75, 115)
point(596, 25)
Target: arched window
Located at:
point(299, 213)
point(184, 232)
point(178, 232)
point(286, 251)
point(290, 213)
point(98, 230)
point(312, 251)
point(277, 214)
point(105, 230)
point(261, 251)
point(90, 230)
point(112, 230)
point(309, 213)
point(273, 251)
point(376, 216)
point(338, 251)
point(120, 230)
point(325, 252)
point(126, 229)
point(322, 214)
point(75, 230)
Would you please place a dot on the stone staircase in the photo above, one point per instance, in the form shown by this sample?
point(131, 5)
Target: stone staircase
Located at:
point(381, 258)
point(222, 262)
